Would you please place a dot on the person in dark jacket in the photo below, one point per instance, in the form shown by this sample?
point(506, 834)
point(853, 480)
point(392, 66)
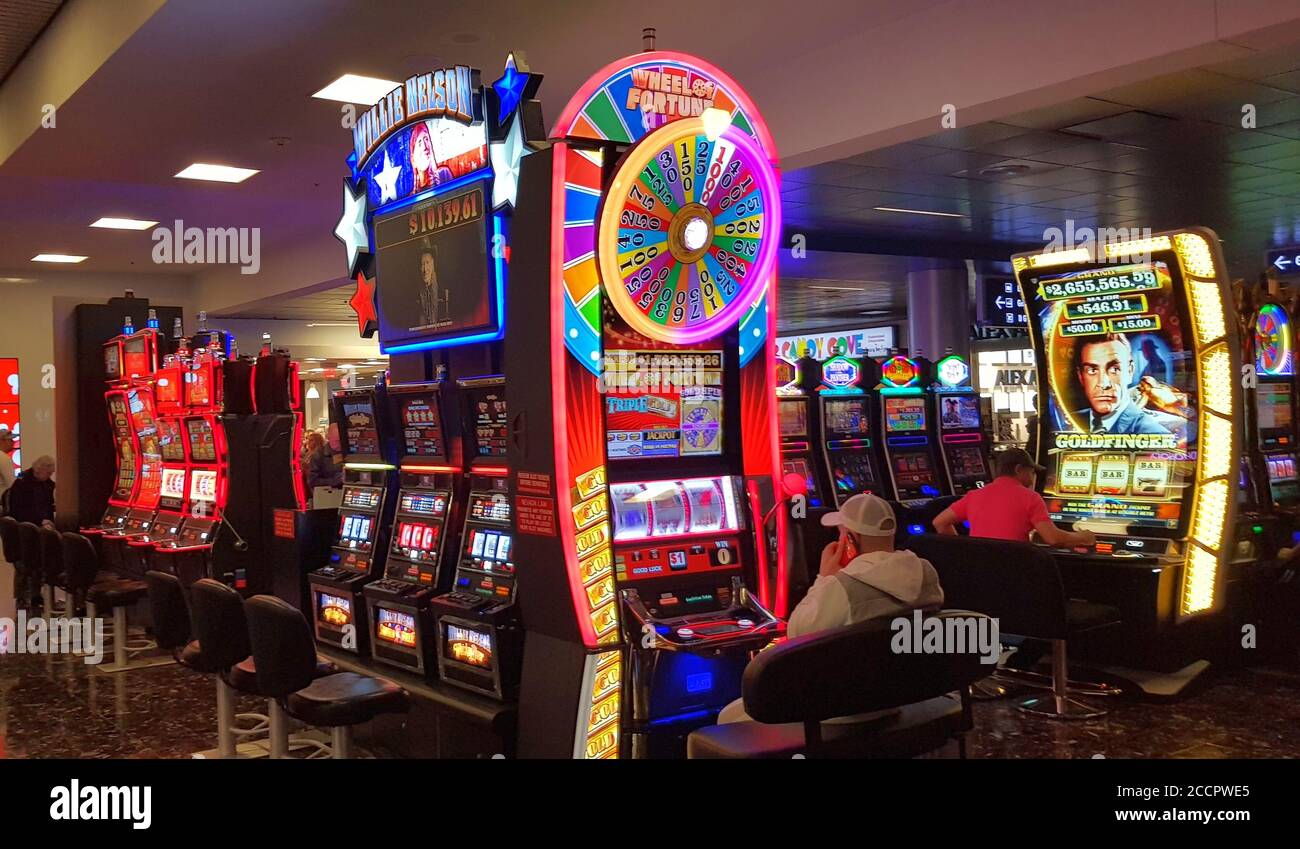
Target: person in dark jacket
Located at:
point(320, 467)
point(31, 498)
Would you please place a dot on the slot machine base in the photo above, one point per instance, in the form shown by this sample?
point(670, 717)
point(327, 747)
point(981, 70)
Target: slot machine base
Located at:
point(479, 644)
point(400, 610)
point(338, 610)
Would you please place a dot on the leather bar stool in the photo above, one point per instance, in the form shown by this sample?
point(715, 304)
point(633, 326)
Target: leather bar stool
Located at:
point(103, 591)
point(31, 564)
point(10, 546)
point(53, 576)
point(222, 630)
point(285, 653)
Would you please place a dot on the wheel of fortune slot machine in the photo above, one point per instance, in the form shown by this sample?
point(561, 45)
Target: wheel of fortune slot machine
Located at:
point(644, 427)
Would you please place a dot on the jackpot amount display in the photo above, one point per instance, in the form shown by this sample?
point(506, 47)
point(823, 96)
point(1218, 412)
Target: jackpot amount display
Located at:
point(1121, 393)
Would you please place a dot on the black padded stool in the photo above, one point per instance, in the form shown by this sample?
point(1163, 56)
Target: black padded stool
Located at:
point(31, 564)
point(11, 548)
point(53, 575)
point(1019, 584)
point(171, 617)
point(285, 653)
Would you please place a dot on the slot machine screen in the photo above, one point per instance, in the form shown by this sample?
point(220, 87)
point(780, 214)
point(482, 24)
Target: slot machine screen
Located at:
point(966, 462)
point(470, 646)
point(203, 448)
point(203, 486)
point(358, 498)
point(1121, 393)
point(848, 418)
point(354, 531)
point(170, 441)
point(792, 418)
point(491, 548)
point(673, 507)
point(663, 403)
point(905, 414)
point(135, 357)
point(112, 362)
point(333, 609)
point(488, 422)
point(1274, 418)
point(421, 425)
point(172, 489)
point(1282, 482)
point(799, 466)
point(167, 389)
point(488, 508)
point(396, 627)
point(423, 503)
point(360, 430)
point(959, 412)
point(417, 540)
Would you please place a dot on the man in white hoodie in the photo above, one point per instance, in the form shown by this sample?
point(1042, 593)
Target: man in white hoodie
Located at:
point(878, 583)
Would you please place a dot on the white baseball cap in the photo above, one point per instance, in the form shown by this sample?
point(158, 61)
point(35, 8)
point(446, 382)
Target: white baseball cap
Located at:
point(866, 514)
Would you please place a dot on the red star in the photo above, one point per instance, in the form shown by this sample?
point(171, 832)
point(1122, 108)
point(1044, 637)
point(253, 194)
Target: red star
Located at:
point(363, 304)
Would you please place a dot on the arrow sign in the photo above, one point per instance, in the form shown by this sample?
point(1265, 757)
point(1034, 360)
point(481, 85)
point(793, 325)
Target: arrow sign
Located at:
point(1285, 261)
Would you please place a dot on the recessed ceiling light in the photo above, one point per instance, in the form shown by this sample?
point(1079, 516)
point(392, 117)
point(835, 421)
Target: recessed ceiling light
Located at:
point(918, 211)
point(17, 280)
point(57, 258)
point(354, 88)
point(1006, 169)
point(840, 288)
point(124, 224)
point(216, 173)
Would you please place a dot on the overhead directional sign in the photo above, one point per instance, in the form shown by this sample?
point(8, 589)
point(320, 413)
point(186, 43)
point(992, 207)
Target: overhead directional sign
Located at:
point(1000, 304)
point(1284, 261)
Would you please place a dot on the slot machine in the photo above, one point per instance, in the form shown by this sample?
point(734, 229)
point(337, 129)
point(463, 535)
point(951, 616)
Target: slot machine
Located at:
point(644, 448)
point(1272, 416)
point(1139, 362)
point(360, 547)
point(844, 427)
point(794, 424)
point(963, 438)
point(423, 538)
point(479, 638)
point(909, 447)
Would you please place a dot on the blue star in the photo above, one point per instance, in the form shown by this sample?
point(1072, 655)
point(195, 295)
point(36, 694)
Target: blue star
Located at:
point(510, 88)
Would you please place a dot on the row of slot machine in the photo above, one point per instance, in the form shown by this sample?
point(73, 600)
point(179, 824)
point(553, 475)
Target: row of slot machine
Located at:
point(900, 427)
point(205, 441)
point(422, 570)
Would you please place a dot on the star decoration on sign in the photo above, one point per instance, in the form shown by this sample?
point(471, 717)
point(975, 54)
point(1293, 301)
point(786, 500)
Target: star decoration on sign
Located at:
point(515, 86)
point(363, 304)
point(351, 229)
point(506, 156)
point(386, 178)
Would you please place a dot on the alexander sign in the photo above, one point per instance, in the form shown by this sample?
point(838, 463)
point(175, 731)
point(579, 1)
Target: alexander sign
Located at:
point(449, 93)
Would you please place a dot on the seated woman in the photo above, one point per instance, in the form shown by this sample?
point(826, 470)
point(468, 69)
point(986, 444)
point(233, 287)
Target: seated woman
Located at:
point(862, 577)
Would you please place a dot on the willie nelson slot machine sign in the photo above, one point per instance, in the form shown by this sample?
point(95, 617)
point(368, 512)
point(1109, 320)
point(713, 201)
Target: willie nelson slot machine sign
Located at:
point(641, 325)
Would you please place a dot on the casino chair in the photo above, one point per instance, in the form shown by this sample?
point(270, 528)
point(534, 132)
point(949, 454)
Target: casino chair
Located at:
point(101, 590)
point(285, 654)
point(790, 690)
point(11, 547)
point(1019, 584)
point(53, 574)
point(31, 563)
point(222, 632)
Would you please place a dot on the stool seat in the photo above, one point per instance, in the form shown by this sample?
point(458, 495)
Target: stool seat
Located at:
point(243, 675)
point(118, 593)
point(912, 730)
point(1083, 615)
point(346, 698)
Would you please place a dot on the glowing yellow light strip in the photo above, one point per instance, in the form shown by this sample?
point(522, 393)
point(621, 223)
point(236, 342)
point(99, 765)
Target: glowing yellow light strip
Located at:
point(1216, 447)
point(1195, 255)
point(380, 467)
point(1217, 380)
point(1137, 247)
point(1059, 258)
point(1211, 513)
point(1207, 307)
point(600, 726)
point(1199, 580)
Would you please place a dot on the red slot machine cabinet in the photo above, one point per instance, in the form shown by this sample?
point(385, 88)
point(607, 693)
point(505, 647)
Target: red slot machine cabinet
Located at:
point(360, 549)
point(909, 449)
point(174, 478)
point(955, 412)
point(845, 426)
point(144, 503)
point(423, 538)
point(480, 640)
point(794, 422)
point(645, 241)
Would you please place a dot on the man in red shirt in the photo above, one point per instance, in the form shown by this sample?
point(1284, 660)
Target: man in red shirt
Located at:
point(1009, 508)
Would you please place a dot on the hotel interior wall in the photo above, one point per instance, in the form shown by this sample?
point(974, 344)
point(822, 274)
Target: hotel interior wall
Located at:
point(39, 328)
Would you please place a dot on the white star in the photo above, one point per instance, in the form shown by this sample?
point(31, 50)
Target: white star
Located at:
point(351, 229)
point(386, 177)
point(506, 156)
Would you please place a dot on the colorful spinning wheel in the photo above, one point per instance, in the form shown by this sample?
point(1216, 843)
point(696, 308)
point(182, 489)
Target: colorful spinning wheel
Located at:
point(688, 231)
point(1273, 341)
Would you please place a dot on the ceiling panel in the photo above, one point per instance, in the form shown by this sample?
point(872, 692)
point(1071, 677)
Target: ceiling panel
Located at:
point(21, 23)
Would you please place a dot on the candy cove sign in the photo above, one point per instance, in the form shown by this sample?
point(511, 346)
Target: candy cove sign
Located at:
point(868, 342)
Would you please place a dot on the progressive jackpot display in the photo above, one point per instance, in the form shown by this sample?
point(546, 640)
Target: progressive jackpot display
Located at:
point(1122, 393)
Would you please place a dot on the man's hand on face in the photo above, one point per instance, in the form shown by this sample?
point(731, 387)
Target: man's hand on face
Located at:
point(831, 557)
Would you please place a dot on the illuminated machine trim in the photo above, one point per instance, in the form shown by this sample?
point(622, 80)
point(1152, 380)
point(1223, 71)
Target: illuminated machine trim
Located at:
point(1216, 363)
